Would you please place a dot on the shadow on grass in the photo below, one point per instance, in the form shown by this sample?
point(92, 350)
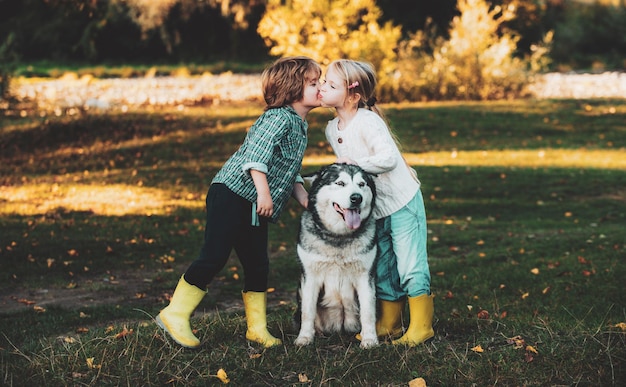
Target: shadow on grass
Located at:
point(526, 262)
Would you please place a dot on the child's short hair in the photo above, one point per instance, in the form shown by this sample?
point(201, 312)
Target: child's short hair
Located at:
point(283, 82)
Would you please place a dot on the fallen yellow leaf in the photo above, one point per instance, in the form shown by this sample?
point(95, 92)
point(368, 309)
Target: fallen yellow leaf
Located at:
point(123, 333)
point(532, 349)
point(621, 326)
point(478, 349)
point(517, 341)
point(483, 314)
point(417, 382)
point(91, 364)
point(221, 375)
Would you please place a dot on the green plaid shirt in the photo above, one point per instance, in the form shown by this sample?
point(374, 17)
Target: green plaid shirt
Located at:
point(274, 145)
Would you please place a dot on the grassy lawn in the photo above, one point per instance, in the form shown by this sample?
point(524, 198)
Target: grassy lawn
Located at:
point(526, 203)
point(53, 69)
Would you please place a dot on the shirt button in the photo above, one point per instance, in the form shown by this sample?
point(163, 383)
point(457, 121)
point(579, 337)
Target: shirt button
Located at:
point(340, 140)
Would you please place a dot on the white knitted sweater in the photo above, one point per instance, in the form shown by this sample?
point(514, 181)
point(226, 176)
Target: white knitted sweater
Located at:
point(368, 142)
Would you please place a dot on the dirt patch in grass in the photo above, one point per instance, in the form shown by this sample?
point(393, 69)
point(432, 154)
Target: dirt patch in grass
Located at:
point(130, 288)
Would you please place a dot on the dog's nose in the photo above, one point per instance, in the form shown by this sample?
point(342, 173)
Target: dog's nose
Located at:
point(356, 198)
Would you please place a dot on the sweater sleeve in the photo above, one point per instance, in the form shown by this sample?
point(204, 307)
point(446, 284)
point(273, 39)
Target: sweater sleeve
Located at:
point(382, 149)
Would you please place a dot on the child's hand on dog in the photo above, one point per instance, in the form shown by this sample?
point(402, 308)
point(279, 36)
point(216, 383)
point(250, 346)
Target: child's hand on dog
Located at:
point(345, 160)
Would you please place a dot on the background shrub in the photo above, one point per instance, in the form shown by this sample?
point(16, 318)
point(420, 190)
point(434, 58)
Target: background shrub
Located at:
point(8, 62)
point(477, 62)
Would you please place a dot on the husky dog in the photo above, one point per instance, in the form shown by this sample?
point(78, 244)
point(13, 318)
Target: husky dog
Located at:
point(336, 248)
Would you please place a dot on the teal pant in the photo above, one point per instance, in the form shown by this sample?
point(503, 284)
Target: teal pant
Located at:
point(402, 259)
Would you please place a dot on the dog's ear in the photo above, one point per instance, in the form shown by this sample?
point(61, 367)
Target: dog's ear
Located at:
point(310, 178)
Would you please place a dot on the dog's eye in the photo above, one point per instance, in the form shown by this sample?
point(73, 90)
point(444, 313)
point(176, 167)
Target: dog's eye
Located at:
point(340, 183)
point(362, 184)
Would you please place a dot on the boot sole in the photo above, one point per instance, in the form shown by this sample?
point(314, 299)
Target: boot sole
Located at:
point(161, 325)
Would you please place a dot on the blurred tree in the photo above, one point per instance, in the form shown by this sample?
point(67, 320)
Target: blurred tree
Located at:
point(434, 18)
point(8, 61)
point(330, 29)
point(416, 15)
point(68, 30)
point(587, 35)
point(528, 23)
point(200, 29)
point(140, 31)
point(590, 36)
point(477, 62)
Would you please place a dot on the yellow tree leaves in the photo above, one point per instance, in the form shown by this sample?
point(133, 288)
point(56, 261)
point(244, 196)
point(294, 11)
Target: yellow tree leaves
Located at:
point(327, 30)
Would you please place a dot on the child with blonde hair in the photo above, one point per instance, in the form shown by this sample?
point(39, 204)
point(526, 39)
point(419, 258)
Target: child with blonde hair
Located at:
point(360, 135)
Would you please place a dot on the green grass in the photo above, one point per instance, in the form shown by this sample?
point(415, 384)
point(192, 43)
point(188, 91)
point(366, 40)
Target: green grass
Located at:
point(526, 210)
point(47, 69)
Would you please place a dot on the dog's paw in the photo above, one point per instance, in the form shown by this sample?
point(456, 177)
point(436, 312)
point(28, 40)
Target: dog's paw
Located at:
point(301, 340)
point(369, 343)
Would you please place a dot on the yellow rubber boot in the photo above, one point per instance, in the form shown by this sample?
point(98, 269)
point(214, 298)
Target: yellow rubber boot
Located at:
point(174, 318)
point(255, 304)
point(389, 323)
point(421, 310)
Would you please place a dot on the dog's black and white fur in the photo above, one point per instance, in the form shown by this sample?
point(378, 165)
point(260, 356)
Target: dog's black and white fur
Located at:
point(336, 247)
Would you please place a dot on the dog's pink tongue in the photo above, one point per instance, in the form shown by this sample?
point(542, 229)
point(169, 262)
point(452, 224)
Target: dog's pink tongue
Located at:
point(352, 218)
